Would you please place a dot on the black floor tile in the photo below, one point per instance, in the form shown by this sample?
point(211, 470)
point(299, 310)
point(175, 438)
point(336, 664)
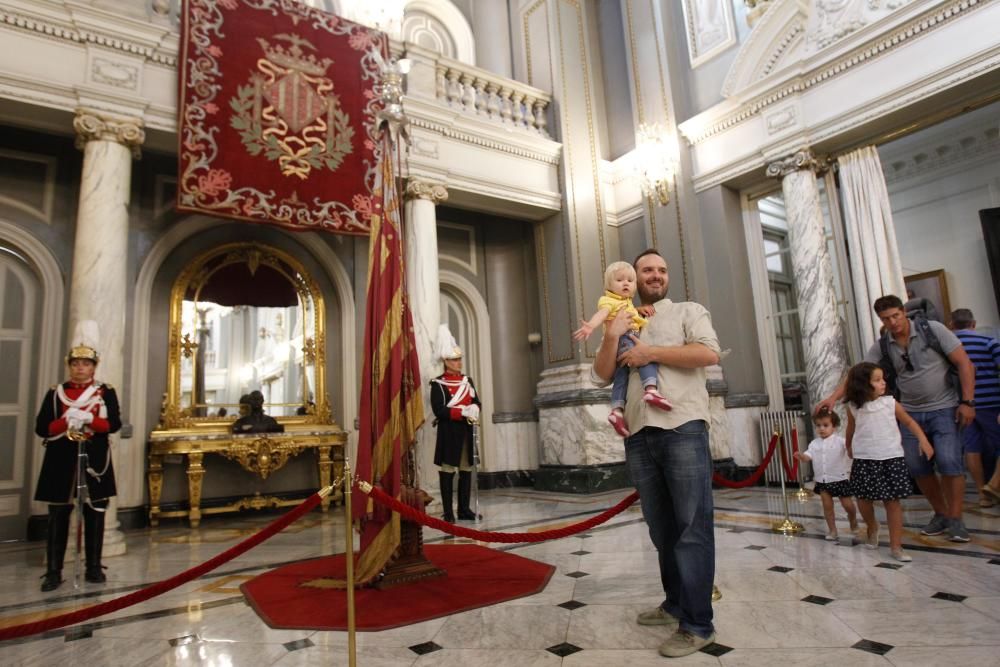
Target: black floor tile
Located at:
point(949, 596)
point(577, 574)
point(581, 552)
point(780, 568)
point(425, 648)
point(298, 644)
point(755, 547)
point(889, 566)
point(564, 649)
point(817, 599)
point(716, 649)
point(877, 648)
point(181, 641)
point(572, 604)
point(84, 632)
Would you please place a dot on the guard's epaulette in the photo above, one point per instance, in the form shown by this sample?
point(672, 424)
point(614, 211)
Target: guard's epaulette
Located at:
point(106, 385)
point(53, 387)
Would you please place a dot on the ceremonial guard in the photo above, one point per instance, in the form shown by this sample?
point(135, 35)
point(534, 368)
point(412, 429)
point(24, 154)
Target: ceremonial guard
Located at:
point(456, 408)
point(76, 417)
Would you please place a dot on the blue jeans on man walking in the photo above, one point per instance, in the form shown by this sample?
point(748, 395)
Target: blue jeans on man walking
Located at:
point(672, 470)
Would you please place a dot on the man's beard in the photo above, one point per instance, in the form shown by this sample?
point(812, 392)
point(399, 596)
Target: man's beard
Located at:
point(652, 293)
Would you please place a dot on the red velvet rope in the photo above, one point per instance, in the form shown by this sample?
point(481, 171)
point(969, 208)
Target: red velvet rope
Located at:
point(792, 471)
point(752, 479)
point(412, 514)
point(161, 587)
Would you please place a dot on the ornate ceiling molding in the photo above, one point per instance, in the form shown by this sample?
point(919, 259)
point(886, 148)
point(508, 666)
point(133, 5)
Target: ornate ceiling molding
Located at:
point(67, 30)
point(799, 82)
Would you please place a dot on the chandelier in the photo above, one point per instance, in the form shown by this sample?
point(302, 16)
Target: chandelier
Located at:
point(654, 161)
point(384, 15)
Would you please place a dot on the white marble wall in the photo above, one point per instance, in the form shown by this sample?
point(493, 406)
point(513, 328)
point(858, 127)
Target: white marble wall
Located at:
point(574, 433)
point(744, 442)
point(515, 446)
point(822, 333)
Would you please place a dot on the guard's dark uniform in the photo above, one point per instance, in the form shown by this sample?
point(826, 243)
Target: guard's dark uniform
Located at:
point(454, 432)
point(450, 392)
point(57, 479)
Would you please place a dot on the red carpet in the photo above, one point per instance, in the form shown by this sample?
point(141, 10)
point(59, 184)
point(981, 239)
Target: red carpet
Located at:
point(477, 577)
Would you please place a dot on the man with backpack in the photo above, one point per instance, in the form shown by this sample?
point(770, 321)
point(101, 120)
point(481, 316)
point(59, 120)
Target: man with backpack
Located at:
point(921, 359)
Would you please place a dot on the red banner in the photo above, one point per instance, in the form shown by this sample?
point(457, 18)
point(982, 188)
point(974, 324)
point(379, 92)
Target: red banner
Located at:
point(277, 115)
point(391, 407)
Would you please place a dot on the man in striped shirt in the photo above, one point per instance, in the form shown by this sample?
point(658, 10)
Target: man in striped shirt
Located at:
point(981, 438)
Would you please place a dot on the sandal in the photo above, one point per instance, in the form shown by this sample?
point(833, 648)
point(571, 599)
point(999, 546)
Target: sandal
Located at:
point(617, 420)
point(655, 398)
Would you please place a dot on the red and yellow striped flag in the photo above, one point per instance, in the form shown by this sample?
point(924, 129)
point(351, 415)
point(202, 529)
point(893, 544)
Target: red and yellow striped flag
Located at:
point(391, 407)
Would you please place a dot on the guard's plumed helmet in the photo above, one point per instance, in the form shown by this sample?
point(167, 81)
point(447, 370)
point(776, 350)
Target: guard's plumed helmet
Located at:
point(86, 338)
point(447, 346)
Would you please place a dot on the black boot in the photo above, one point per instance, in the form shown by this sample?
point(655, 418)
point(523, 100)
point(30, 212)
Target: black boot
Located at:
point(447, 480)
point(93, 537)
point(55, 548)
point(465, 512)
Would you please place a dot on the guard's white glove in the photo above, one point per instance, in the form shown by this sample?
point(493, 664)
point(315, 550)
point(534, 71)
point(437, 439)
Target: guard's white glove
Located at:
point(80, 416)
point(471, 412)
point(73, 423)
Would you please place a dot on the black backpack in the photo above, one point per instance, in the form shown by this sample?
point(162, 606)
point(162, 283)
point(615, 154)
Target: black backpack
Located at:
point(918, 320)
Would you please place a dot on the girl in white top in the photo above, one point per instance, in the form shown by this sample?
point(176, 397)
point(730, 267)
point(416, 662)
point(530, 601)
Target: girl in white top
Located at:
point(874, 441)
point(831, 470)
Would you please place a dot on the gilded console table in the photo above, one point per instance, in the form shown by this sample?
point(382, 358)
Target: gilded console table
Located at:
point(258, 453)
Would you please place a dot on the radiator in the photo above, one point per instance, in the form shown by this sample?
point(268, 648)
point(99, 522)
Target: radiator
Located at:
point(785, 422)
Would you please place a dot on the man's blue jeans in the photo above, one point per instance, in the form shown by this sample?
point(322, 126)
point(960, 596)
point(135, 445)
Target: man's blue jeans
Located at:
point(672, 470)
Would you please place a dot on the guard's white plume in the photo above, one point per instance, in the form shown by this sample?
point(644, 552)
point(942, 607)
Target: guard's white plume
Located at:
point(447, 345)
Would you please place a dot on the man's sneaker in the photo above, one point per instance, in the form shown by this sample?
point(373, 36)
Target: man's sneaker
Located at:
point(957, 531)
point(937, 525)
point(655, 617)
point(683, 643)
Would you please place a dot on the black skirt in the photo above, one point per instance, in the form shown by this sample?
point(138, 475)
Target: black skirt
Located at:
point(887, 479)
point(839, 489)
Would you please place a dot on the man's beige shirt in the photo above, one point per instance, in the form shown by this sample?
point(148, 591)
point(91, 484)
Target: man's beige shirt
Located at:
point(674, 324)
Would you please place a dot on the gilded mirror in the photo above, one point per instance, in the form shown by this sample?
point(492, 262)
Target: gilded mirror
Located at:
point(245, 317)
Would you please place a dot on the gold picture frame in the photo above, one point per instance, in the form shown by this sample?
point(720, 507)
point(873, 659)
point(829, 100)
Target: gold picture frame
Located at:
point(931, 285)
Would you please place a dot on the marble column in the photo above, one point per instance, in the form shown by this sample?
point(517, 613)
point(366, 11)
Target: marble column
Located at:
point(98, 286)
point(822, 332)
point(491, 26)
point(423, 285)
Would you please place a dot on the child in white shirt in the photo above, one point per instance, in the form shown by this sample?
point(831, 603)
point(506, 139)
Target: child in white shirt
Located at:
point(831, 470)
point(875, 444)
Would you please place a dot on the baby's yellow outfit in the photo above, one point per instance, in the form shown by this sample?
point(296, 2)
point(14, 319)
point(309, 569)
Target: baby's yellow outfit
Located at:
point(615, 302)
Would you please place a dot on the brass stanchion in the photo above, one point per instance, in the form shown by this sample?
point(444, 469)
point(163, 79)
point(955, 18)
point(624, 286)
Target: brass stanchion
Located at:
point(800, 494)
point(352, 651)
point(785, 526)
point(716, 593)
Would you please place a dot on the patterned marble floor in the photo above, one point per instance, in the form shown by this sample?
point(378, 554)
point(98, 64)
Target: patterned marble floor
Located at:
point(786, 600)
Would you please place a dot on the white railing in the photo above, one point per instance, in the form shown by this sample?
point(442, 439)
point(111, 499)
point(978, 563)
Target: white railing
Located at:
point(491, 96)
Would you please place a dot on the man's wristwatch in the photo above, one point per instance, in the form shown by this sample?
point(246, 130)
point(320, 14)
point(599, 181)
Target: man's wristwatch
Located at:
point(971, 402)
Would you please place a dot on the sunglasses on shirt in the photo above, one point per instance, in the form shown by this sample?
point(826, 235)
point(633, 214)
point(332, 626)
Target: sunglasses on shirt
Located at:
point(906, 360)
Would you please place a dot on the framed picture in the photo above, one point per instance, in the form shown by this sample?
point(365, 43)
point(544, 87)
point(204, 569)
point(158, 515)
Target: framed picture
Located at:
point(933, 286)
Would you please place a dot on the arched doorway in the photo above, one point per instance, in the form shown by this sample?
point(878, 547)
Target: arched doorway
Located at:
point(19, 315)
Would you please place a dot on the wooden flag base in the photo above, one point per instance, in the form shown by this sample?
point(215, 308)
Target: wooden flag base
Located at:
point(411, 564)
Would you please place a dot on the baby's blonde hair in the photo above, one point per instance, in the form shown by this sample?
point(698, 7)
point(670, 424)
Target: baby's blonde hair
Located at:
point(614, 268)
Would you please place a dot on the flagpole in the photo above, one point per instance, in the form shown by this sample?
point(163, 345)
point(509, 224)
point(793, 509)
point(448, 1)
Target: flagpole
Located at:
point(352, 655)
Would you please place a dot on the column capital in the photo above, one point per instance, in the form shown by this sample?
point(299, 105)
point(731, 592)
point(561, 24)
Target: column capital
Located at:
point(95, 126)
point(420, 189)
point(801, 160)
